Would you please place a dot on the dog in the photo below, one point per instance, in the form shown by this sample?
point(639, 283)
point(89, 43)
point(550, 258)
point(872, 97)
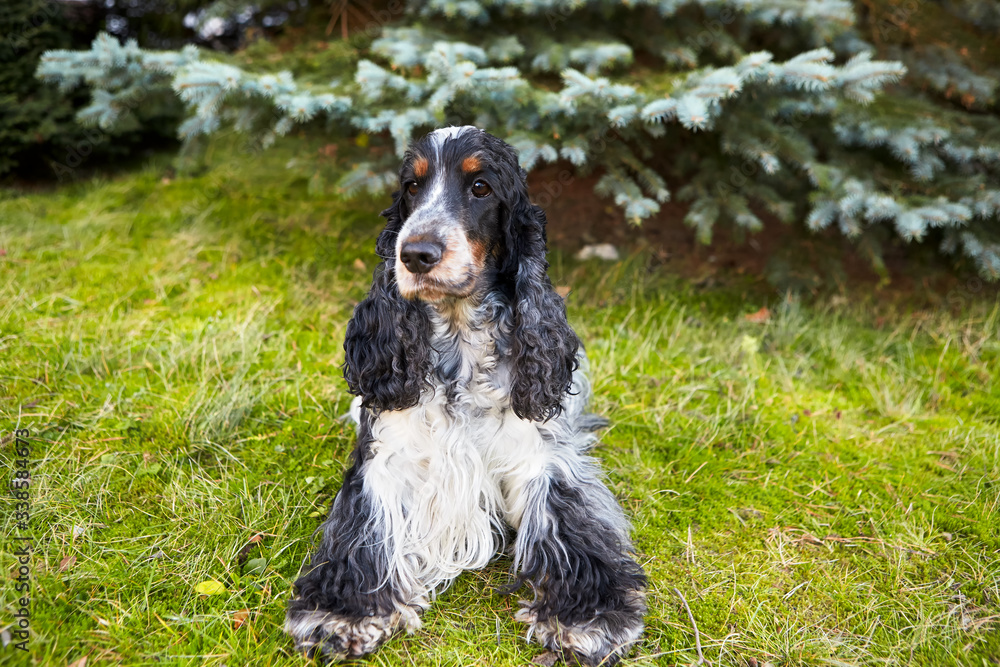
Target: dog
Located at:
point(472, 427)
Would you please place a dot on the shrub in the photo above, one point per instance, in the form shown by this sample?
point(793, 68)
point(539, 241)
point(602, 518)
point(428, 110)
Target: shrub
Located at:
point(757, 106)
point(40, 136)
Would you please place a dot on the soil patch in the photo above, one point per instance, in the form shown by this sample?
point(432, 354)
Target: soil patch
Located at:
point(780, 256)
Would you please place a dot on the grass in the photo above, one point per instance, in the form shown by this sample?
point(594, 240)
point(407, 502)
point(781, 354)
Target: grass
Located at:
point(823, 487)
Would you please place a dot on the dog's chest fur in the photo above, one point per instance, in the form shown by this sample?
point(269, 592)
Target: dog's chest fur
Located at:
point(455, 463)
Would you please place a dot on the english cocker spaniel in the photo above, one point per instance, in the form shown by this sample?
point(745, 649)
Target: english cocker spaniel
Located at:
point(471, 418)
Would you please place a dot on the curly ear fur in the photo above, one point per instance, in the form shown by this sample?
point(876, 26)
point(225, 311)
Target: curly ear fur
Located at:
point(544, 346)
point(387, 350)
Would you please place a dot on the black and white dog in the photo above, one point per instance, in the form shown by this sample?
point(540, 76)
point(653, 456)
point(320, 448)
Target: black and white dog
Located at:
point(471, 422)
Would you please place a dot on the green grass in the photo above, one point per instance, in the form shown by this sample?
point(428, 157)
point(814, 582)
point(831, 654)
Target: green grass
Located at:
point(823, 488)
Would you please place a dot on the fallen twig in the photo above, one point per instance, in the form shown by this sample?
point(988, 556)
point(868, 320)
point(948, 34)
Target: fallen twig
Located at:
point(697, 635)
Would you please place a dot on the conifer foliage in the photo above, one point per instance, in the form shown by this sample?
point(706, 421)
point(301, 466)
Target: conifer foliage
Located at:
point(35, 121)
point(773, 108)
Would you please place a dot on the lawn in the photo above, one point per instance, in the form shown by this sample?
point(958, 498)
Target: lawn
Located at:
point(823, 487)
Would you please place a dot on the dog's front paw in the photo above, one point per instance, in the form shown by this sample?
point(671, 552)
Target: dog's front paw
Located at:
point(335, 637)
point(603, 639)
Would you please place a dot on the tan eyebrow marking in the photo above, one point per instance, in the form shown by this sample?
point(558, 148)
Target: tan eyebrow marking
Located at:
point(471, 164)
point(420, 166)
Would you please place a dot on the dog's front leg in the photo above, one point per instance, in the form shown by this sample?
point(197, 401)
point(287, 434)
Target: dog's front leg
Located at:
point(352, 599)
point(573, 548)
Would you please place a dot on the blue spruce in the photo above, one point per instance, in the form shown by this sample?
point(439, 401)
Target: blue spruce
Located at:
point(773, 107)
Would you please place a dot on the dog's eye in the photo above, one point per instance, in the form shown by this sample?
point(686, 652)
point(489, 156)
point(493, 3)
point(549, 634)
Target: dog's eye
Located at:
point(481, 189)
point(411, 187)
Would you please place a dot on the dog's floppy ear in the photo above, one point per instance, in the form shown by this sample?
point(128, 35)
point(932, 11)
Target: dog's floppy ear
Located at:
point(387, 344)
point(544, 346)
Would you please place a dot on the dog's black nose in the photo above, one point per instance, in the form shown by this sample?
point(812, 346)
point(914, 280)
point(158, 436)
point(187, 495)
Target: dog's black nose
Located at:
point(421, 256)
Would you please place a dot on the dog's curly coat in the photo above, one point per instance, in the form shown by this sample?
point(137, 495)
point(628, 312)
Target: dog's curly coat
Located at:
point(471, 421)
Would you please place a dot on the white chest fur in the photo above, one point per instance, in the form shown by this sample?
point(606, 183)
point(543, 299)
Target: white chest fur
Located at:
point(452, 483)
point(449, 471)
point(449, 474)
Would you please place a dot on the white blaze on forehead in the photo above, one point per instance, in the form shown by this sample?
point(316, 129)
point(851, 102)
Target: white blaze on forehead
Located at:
point(438, 137)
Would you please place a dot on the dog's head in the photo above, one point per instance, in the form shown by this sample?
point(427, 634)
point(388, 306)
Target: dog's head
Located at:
point(460, 225)
point(458, 187)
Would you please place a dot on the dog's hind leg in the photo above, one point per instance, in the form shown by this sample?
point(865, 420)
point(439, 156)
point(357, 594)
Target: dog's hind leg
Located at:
point(351, 600)
point(573, 548)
